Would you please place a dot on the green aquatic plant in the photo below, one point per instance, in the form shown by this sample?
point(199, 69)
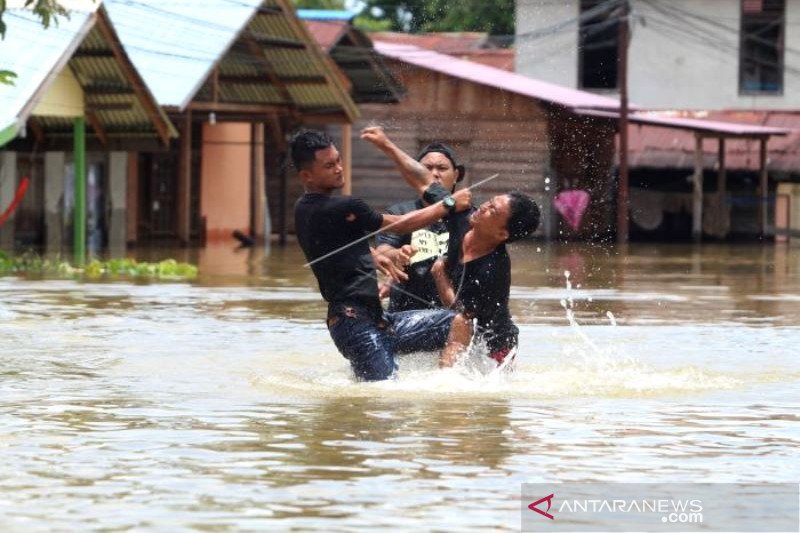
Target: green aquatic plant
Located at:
point(34, 264)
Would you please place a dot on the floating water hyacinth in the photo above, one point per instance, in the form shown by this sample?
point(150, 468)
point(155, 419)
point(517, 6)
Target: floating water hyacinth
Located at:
point(34, 264)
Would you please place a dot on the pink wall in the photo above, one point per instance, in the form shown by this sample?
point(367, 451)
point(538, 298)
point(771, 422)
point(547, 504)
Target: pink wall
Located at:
point(225, 179)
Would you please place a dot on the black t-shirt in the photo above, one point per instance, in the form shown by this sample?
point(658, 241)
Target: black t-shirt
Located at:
point(325, 223)
point(420, 282)
point(482, 286)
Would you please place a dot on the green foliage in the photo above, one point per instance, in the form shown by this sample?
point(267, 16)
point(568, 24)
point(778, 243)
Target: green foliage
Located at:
point(495, 17)
point(33, 264)
point(7, 77)
point(48, 12)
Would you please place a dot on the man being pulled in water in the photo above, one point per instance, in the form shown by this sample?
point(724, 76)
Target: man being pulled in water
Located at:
point(477, 263)
point(331, 231)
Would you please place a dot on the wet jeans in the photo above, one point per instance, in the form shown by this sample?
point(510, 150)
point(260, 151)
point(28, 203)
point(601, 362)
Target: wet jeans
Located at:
point(371, 345)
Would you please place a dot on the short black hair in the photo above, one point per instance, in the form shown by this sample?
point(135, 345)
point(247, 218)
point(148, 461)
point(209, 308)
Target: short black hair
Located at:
point(449, 153)
point(524, 217)
point(305, 144)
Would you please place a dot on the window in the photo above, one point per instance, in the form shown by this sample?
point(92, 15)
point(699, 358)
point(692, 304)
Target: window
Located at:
point(761, 49)
point(599, 44)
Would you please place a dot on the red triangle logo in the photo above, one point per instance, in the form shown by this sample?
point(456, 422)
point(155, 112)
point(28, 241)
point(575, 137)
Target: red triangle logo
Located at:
point(549, 500)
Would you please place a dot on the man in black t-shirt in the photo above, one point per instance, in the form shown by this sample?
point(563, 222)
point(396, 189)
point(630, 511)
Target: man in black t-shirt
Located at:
point(418, 290)
point(331, 231)
point(475, 278)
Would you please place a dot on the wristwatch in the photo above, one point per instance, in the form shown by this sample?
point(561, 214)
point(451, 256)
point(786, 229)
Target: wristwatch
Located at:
point(449, 202)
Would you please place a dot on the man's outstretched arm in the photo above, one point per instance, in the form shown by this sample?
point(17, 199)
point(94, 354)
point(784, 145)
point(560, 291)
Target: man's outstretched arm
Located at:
point(414, 172)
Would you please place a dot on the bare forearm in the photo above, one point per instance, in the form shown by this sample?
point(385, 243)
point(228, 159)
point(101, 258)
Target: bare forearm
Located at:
point(444, 287)
point(415, 220)
point(414, 172)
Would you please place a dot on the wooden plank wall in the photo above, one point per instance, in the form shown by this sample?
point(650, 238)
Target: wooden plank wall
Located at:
point(493, 131)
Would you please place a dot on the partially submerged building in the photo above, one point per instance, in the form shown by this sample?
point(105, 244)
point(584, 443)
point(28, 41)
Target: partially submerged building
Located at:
point(76, 108)
point(236, 78)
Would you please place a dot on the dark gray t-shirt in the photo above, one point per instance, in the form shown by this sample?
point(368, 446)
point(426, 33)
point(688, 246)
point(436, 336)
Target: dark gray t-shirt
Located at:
point(482, 286)
point(325, 223)
point(419, 292)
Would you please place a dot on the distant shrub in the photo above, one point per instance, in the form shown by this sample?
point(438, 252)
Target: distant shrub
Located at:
point(34, 264)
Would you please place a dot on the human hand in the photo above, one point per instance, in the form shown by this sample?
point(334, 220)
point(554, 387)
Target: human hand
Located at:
point(388, 266)
point(375, 135)
point(404, 254)
point(463, 200)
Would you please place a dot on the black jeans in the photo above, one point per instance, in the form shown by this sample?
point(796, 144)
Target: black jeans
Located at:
point(370, 345)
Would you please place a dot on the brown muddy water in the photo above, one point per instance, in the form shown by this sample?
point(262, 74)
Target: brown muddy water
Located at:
point(222, 404)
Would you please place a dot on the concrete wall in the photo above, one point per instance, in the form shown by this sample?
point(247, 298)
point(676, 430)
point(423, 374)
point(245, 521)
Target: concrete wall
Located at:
point(668, 69)
point(8, 186)
point(552, 57)
point(54, 167)
point(117, 200)
point(225, 179)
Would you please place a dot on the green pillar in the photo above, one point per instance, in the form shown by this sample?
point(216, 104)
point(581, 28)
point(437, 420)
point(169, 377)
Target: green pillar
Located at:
point(79, 215)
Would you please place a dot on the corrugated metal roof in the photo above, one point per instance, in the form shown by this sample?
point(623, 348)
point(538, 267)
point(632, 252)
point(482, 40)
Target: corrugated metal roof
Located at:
point(174, 45)
point(471, 46)
point(450, 43)
point(659, 147)
point(115, 100)
point(327, 32)
point(493, 77)
point(711, 127)
point(33, 53)
point(353, 52)
point(262, 52)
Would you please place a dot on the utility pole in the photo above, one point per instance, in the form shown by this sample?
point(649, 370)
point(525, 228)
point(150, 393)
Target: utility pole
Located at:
point(622, 77)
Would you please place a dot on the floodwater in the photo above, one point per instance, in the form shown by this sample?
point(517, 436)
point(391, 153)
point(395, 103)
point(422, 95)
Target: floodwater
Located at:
point(222, 404)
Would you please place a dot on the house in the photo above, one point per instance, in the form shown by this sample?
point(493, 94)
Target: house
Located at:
point(525, 130)
point(236, 77)
point(473, 46)
point(726, 60)
point(76, 109)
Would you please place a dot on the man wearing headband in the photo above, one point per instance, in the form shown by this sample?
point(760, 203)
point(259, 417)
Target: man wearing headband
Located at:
point(474, 277)
point(418, 251)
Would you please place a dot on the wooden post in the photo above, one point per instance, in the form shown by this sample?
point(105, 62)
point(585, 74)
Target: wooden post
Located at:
point(185, 181)
point(259, 184)
point(622, 187)
point(697, 197)
point(347, 158)
point(763, 188)
point(79, 215)
point(282, 201)
point(722, 195)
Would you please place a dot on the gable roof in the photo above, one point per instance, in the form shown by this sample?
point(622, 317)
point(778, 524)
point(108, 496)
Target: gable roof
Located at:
point(247, 52)
point(115, 100)
point(494, 77)
point(353, 52)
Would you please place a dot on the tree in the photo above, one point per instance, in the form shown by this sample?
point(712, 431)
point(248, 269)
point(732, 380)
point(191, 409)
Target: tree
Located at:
point(48, 12)
point(495, 17)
